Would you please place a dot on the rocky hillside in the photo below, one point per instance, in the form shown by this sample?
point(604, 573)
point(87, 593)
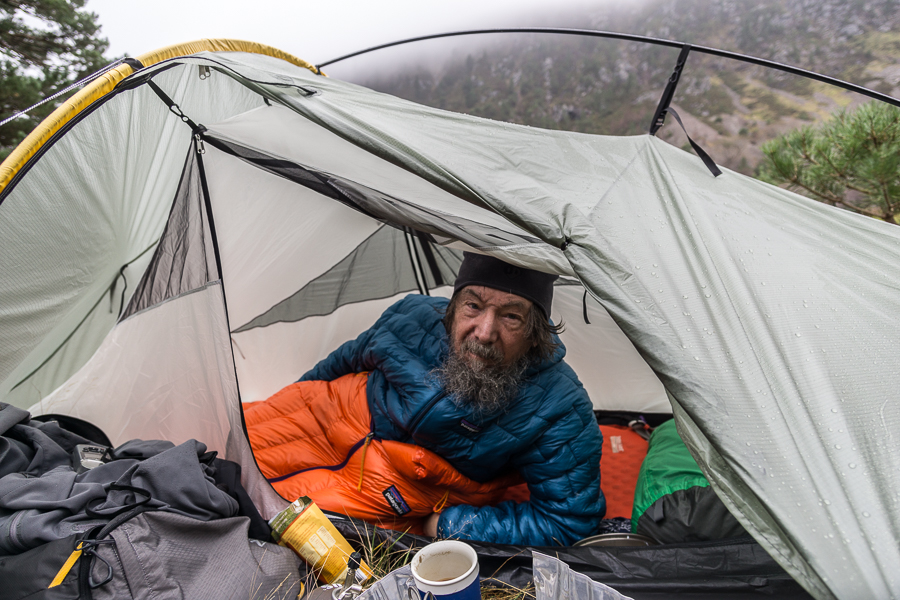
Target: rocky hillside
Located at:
point(612, 87)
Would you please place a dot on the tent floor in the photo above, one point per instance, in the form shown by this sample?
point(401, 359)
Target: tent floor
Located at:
point(688, 571)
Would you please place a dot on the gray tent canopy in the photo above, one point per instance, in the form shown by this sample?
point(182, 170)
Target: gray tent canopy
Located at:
point(155, 271)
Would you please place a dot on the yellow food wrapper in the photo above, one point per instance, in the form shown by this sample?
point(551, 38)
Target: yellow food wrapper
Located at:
point(305, 529)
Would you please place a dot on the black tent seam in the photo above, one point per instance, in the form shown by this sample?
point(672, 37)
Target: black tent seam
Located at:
point(215, 241)
point(418, 274)
point(80, 323)
point(425, 243)
point(209, 214)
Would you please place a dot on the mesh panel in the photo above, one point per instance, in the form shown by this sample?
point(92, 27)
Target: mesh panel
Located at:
point(441, 227)
point(184, 257)
point(380, 267)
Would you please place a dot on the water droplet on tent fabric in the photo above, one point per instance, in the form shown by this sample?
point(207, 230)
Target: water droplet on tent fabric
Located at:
point(852, 465)
point(837, 446)
point(866, 514)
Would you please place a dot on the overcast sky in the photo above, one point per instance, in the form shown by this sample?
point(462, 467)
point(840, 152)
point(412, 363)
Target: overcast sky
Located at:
point(316, 31)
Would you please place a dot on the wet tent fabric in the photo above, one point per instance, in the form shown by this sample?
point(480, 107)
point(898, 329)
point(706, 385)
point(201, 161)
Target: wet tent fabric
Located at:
point(769, 318)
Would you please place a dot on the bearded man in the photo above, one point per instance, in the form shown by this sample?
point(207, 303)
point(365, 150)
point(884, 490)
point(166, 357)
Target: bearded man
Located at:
point(480, 382)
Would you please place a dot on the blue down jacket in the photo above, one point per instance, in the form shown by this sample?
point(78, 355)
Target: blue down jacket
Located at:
point(549, 434)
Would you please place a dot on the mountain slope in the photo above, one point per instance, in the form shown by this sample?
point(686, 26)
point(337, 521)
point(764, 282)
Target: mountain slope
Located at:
point(603, 86)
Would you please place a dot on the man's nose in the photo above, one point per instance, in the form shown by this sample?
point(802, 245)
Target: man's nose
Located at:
point(486, 328)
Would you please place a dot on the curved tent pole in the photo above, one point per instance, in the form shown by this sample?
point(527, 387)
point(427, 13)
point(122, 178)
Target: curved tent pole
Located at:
point(646, 40)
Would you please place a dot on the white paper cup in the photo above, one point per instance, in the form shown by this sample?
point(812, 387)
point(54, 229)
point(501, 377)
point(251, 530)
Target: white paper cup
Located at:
point(449, 570)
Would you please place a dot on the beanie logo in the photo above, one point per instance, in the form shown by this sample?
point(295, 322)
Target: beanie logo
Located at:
point(393, 497)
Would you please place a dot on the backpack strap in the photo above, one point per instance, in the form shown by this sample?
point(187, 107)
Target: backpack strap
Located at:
point(97, 537)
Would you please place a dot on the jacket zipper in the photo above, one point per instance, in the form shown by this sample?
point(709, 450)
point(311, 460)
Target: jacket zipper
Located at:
point(421, 414)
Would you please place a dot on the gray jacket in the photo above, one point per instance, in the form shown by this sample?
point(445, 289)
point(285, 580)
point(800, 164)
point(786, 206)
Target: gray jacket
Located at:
point(42, 498)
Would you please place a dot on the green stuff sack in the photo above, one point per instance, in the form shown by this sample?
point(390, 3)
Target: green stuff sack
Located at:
point(673, 501)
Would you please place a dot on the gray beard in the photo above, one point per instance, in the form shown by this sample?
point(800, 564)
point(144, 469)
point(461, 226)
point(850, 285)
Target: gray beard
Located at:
point(484, 390)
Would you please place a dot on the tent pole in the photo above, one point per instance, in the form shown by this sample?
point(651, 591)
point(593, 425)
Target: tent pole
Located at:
point(762, 62)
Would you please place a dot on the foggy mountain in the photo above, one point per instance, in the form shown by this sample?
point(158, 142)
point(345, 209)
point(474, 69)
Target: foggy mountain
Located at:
point(605, 86)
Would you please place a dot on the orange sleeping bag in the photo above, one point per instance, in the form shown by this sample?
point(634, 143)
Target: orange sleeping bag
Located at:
point(313, 439)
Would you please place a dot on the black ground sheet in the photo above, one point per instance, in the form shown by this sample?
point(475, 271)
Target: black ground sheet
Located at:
point(734, 568)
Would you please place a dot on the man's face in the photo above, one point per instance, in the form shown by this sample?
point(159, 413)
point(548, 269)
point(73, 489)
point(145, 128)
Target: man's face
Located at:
point(489, 327)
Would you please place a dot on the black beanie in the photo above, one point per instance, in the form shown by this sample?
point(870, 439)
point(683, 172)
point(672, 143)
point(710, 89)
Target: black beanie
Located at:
point(480, 269)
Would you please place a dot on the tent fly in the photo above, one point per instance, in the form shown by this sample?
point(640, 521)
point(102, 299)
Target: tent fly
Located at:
point(173, 245)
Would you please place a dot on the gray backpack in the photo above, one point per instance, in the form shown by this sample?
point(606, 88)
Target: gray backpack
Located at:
point(158, 555)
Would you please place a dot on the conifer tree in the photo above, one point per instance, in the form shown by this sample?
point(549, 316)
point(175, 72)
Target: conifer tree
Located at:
point(851, 161)
point(45, 45)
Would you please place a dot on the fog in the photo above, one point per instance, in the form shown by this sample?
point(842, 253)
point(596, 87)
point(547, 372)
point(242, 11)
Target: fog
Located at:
point(318, 32)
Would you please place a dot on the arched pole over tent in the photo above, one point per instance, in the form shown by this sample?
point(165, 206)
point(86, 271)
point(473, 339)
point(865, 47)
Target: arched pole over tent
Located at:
point(669, 92)
point(104, 84)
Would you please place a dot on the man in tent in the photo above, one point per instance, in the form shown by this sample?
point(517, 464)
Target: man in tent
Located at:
point(436, 409)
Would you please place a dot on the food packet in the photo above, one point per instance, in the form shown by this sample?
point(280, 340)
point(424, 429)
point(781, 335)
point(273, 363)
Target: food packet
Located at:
point(305, 529)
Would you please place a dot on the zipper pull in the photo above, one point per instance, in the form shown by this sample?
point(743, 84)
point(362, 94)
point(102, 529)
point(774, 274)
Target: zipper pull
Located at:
point(362, 463)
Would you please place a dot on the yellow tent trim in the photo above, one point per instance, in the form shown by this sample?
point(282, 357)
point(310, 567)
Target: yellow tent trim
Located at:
point(105, 84)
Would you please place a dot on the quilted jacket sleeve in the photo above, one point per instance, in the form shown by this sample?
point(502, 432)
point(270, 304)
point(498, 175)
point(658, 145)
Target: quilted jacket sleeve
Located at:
point(352, 356)
point(562, 470)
